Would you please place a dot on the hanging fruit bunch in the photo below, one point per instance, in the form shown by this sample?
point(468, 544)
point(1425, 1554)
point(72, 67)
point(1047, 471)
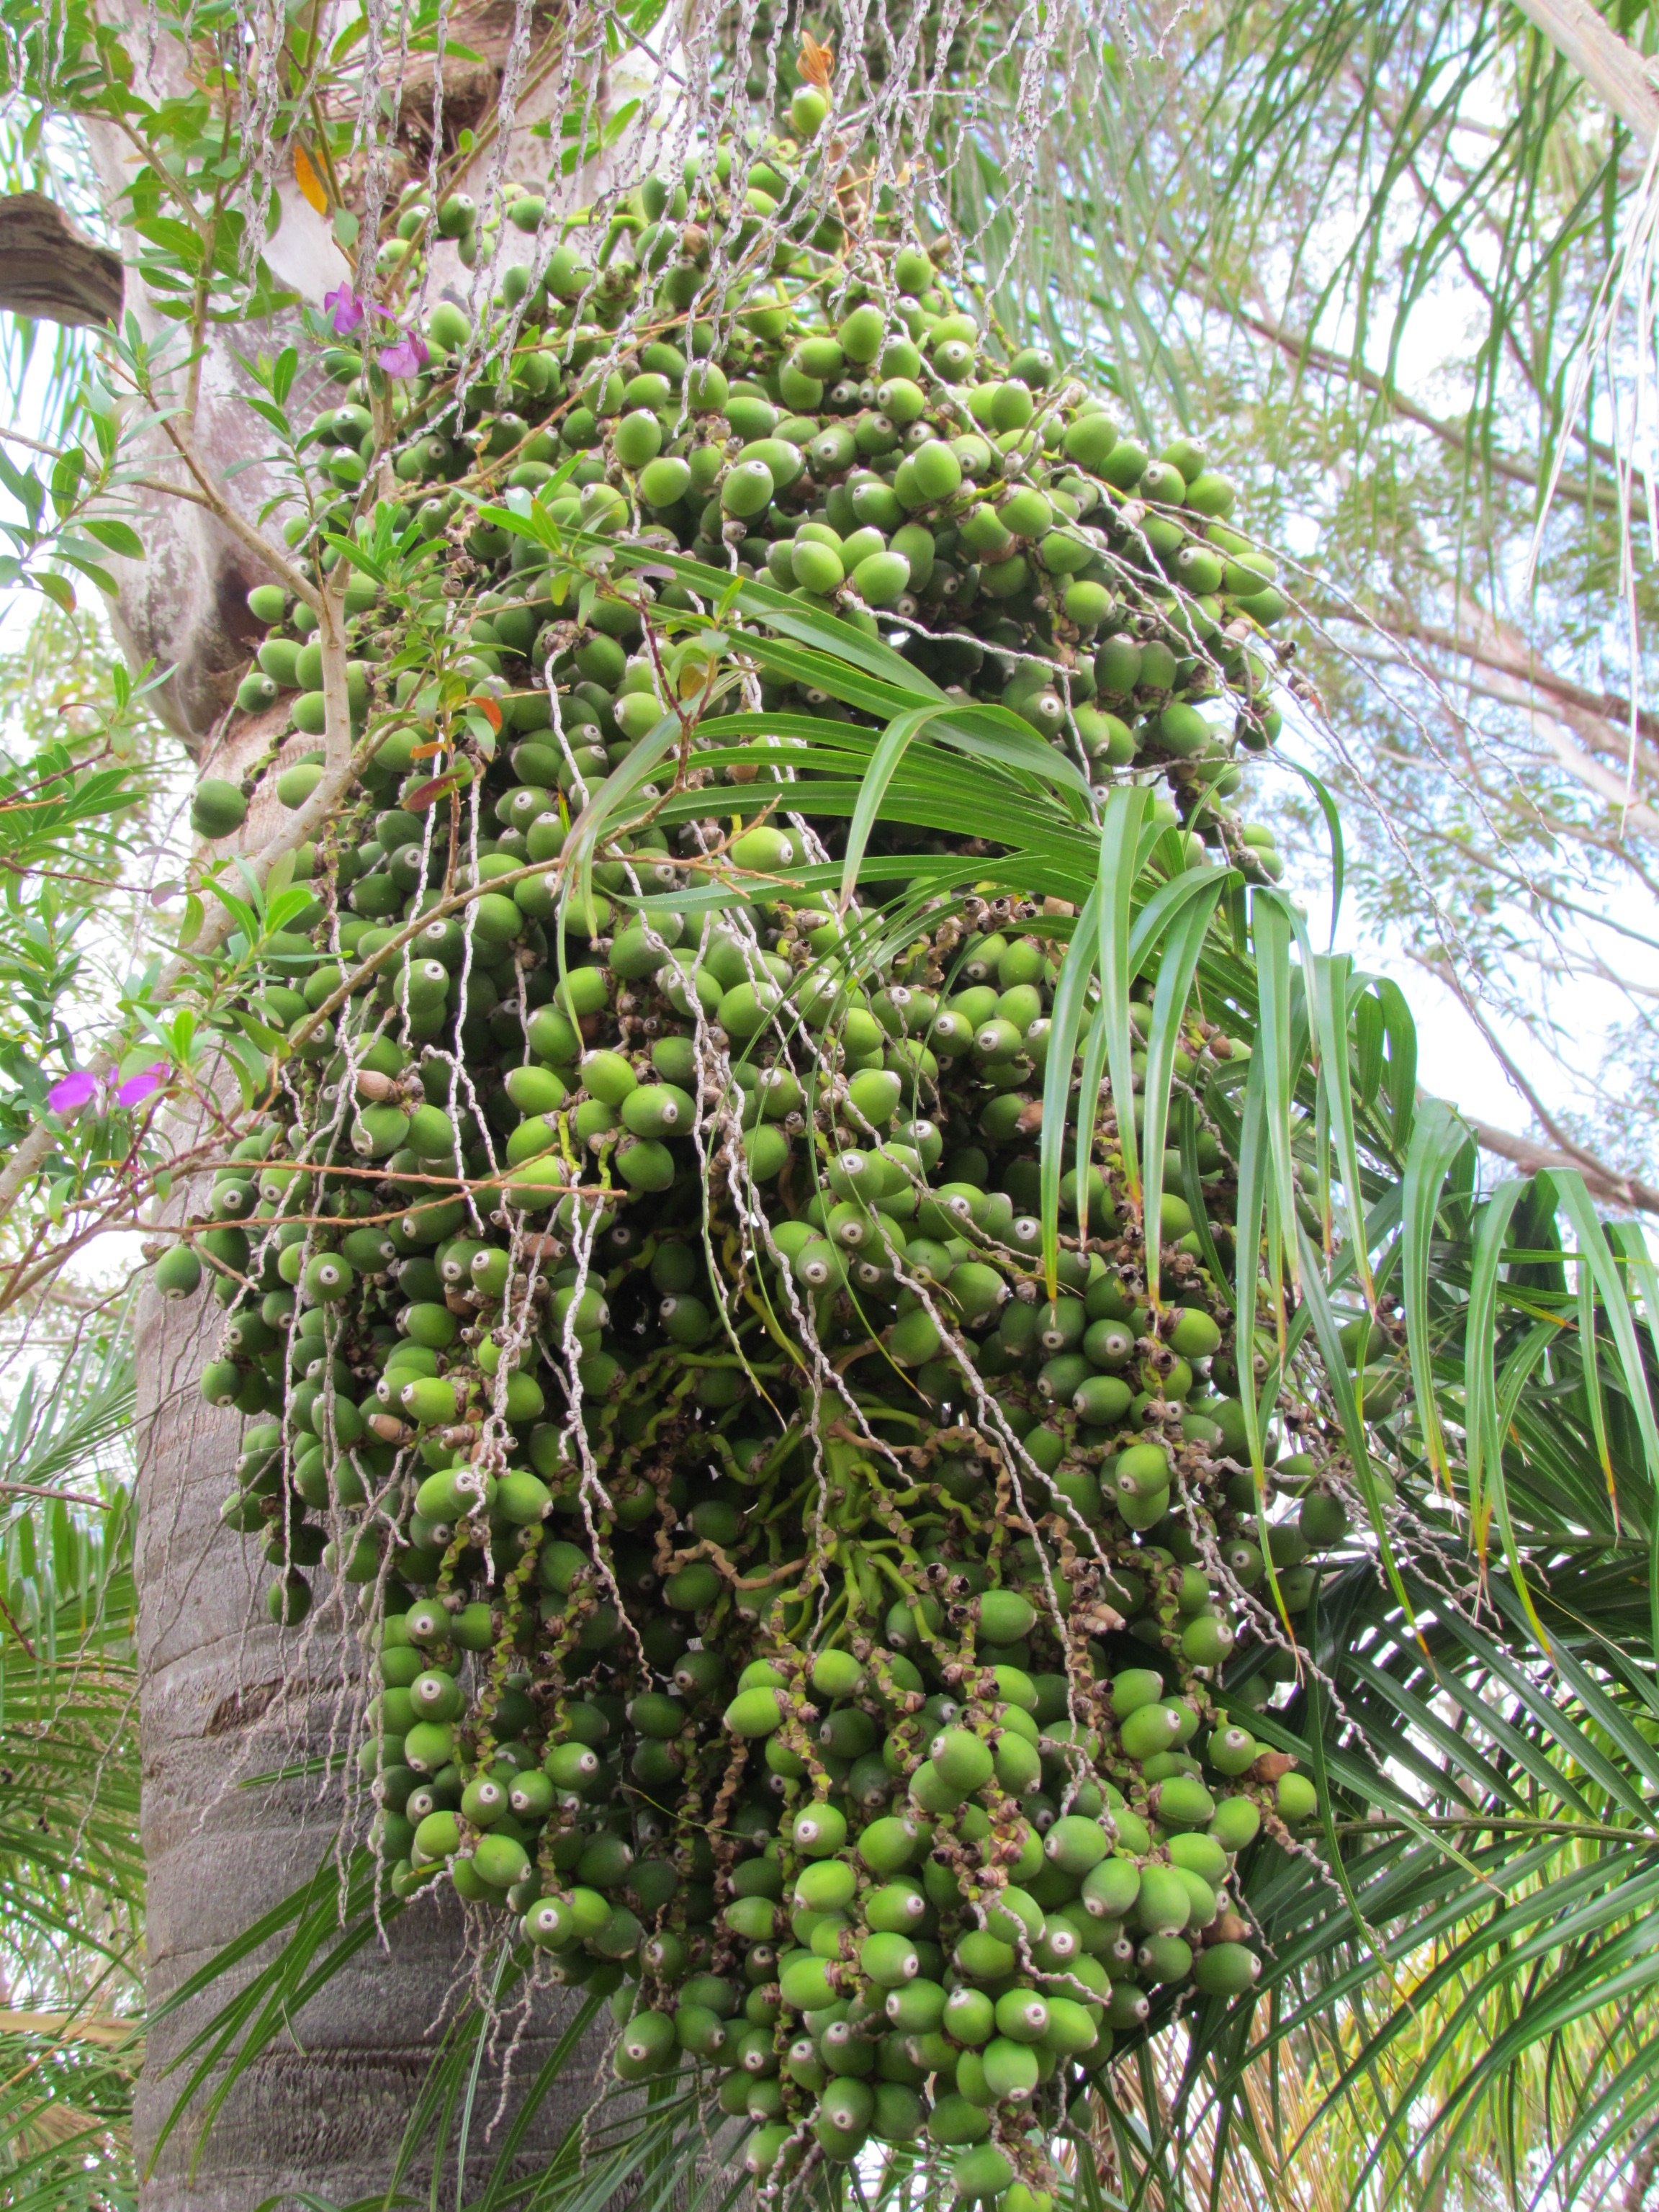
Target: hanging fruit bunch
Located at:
point(797, 1590)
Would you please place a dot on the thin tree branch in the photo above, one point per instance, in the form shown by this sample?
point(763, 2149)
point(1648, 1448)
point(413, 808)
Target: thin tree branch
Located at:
point(292, 579)
point(1602, 1183)
point(10, 1621)
point(1613, 68)
point(1606, 706)
point(57, 1497)
point(1331, 363)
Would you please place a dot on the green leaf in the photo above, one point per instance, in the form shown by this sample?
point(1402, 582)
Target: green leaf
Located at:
point(1064, 1020)
point(1438, 1139)
point(114, 537)
point(1121, 831)
point(895, 741)
point(1186, 928)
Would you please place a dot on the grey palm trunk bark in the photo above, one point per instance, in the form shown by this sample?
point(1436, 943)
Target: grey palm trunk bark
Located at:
point(224, 1697)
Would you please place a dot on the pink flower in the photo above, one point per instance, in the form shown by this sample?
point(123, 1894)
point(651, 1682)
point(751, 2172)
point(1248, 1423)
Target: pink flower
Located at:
point(142, 1085)
point(346, 308)
point(407, 357)
point(71, 1094)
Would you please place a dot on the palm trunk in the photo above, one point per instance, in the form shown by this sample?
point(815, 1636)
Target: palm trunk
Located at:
point(222, 1700)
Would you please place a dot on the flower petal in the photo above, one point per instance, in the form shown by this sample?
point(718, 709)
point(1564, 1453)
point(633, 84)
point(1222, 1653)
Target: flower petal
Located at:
point(346, 308)
point(68, 1095)
point(141, 1086)
point(407, 357)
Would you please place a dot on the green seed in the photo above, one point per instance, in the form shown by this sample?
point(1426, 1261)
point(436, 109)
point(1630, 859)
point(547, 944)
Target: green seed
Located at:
point(1226, 1970)
point(638, 439)
point(216, 808)
point(963, 1761)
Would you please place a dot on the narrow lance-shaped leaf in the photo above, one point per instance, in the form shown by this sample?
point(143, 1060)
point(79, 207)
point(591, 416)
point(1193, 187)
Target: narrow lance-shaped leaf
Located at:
point(896, 740)
point(1593, 1248)
point(1329, 998)
point(1590, 1367)
point(1317, 1306)
point(1400, 1068)
point(1187, 928)
point(1328, 807)
point(1066, 1018)
point(1120, 840)
point(1271, 933)
point(1438, 1137)
point(1483, 1444)
point(1251, 1154)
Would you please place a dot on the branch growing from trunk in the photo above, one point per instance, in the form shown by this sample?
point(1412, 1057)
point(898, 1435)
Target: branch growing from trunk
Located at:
point(1600, 1181)
point(1569, 719)
point(1303, 351)
point(31, 1155)
point(1610, 65)
point(50, 270)
point(291, 578)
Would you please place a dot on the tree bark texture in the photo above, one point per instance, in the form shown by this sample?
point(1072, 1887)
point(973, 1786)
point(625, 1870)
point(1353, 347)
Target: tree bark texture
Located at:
point(224, 1697)
point(49, 268)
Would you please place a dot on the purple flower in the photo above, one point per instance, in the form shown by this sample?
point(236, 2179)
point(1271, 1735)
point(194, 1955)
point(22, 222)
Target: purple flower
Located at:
point(71, 1094)
point(407, 357)
point(346, 308)
point(141, 1086)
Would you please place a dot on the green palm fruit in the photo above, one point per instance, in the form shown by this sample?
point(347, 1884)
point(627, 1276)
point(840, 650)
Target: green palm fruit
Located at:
point(1141, 1471)
point(1296, 1798)
point(499, 1860)
point(1323, 1520)
point(1102, 1400)
point(218, 808)
point(1075, 1843)
point(1109, 1344)
point(1164, 1904)
point(889, 1960)
point(754, 1712)
point(1183, 1802)
point(1202, 1894)
point(1022, 2016)
point(981, 1957)
point(1164, 1959)
point(484, 1801)
point(969, 2017)
point(177, 1273)
point(954, 2121)
point(880, 579)
point(1005, 1616)
point(428, 1746)
point(1231, 1749)
point(658, 1109)
point(1226, 1970)
point(436, 1696)
point(1207, 1641)
point(1110, 1889)
point(572, 1766)
point(1011, 2069)
point(1018, 1764)
point(279, 658)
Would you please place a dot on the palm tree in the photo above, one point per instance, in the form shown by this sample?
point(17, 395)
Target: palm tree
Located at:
point(1472, 1696)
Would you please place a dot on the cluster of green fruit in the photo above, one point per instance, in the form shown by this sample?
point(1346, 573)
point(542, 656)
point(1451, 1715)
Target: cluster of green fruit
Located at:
point(806, 1616)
